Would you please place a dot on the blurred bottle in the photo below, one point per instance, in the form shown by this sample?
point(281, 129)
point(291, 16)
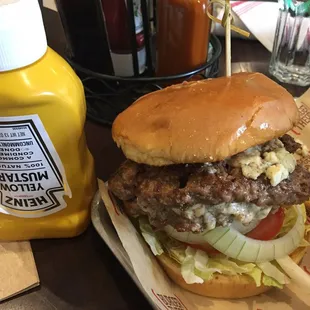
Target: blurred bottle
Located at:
point(290, 59)
point(183, 30)
point(117, 20)
point(86, 34)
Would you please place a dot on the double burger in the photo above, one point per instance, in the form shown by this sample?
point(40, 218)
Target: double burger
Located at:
point(214, 183)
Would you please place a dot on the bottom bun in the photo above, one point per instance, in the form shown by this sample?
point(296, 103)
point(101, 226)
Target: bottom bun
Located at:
point(221, 286)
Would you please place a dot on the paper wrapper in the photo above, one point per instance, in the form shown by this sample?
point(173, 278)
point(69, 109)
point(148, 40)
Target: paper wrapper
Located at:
point(157, 287)
point(50, 4)
point(18, 271)
point(248, 15)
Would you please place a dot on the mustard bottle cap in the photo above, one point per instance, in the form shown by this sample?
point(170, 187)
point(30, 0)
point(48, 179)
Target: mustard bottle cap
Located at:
point(22, 34)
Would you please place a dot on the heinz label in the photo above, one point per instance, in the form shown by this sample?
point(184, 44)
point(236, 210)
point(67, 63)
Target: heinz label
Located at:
point(32, 178)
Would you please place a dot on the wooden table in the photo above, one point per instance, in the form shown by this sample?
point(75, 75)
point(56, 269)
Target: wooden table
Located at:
point(82, 273)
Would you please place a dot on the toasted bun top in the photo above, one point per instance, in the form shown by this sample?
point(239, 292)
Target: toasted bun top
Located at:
point(204, 121)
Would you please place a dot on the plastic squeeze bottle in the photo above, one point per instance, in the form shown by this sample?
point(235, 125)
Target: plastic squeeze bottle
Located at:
point(46, 171)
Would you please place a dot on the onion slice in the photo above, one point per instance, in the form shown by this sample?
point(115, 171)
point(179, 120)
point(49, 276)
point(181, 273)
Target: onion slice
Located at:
point(232, 243)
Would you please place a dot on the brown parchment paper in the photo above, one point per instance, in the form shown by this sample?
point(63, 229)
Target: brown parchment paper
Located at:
point(18, 271)
point(50, 4)
point(164, 294)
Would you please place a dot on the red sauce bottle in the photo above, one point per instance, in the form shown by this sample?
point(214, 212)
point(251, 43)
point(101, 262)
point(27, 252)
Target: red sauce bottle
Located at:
point(117, 24)
point(183, 30)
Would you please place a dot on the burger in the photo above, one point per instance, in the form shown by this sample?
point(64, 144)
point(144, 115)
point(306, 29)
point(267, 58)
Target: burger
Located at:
point(214, 182)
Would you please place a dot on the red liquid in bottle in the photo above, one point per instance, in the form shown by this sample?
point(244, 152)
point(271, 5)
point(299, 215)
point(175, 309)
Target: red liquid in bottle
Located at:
point(117, 24)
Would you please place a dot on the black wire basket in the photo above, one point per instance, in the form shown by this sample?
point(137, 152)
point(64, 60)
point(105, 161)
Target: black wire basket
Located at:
point(106, 94)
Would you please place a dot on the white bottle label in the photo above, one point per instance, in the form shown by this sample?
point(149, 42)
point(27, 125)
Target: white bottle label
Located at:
point(122, 60)
point(32, 178)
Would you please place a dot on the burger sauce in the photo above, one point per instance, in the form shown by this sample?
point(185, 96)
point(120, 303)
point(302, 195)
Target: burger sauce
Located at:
point(183, 30)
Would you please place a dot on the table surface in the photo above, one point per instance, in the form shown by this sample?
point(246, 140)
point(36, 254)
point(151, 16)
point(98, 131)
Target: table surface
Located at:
point(82, 273)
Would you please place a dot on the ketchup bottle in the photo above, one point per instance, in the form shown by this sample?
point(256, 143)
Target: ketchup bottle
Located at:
point(117, 24)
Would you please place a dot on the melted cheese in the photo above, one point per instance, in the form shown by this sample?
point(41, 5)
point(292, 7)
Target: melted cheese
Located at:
point(224, 214)
point(276, 163)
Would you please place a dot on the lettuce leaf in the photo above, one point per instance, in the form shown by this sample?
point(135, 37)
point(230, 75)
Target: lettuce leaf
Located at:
point(256, 275)
point(272, 271)
point(290, 219)
point(194, 267)
point(150, 237)
point(188, 268)
point(202, 266)
point(230, 267)
point(268, 281)
point(197, 266)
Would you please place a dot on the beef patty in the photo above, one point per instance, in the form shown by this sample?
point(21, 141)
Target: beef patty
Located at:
point(165, 193)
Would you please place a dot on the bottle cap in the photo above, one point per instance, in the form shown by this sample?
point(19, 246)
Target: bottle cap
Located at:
point(22, 34)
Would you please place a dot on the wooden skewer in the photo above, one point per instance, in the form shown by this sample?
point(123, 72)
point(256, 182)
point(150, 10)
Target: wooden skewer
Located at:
point(226, 22)
point(228, 43)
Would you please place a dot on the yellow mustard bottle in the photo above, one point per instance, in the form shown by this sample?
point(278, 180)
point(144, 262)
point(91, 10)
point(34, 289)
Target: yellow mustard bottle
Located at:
point(47, 176)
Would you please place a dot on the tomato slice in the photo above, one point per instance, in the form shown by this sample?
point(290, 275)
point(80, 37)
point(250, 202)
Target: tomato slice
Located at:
point(268, 227)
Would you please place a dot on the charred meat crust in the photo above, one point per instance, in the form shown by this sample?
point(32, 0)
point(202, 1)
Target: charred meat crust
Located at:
point(165, 186)
point(158, 191)
point(185, 185)
point(290, 144)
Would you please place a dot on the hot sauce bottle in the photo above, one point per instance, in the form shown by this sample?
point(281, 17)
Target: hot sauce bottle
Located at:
point(183, 30)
